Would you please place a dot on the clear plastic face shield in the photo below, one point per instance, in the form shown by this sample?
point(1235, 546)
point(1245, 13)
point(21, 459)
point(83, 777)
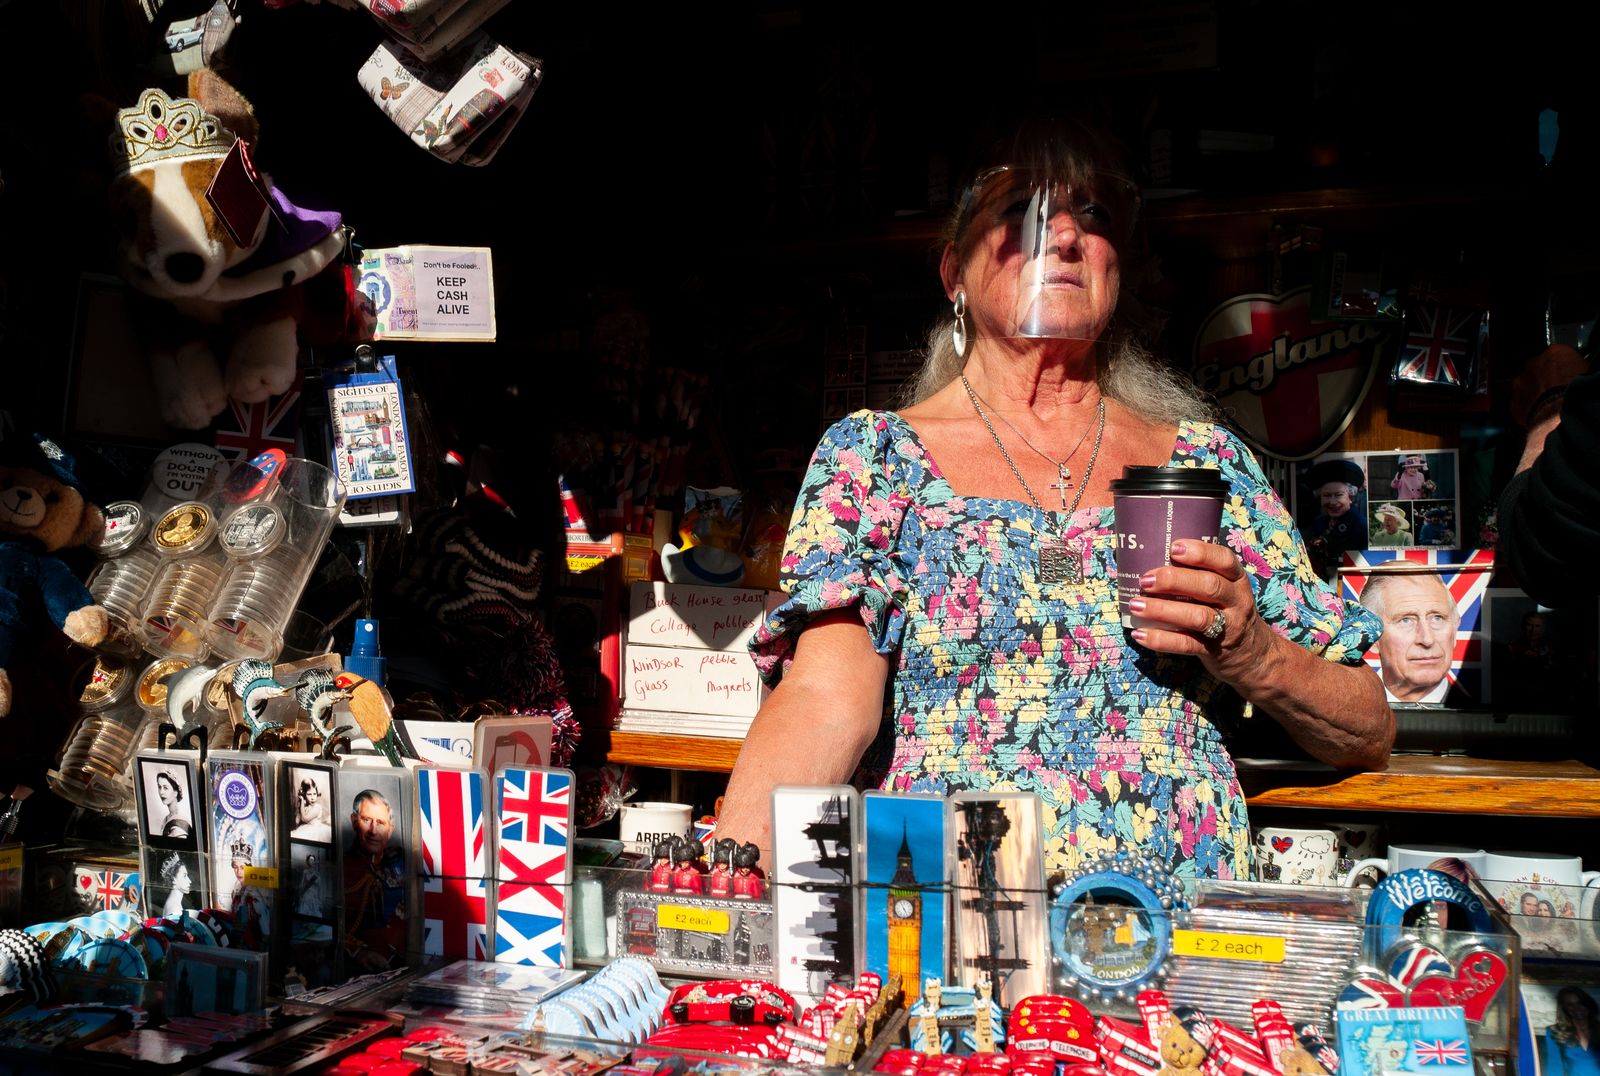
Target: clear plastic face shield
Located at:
point(1050, 250)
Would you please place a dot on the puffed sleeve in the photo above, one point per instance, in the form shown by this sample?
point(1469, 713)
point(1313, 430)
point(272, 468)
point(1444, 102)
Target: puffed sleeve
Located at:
point(1290, 596)
point(841, 548)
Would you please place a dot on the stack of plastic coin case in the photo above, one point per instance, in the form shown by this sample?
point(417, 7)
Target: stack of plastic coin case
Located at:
point(272, 532)
point(94, 764)
point(191, 569)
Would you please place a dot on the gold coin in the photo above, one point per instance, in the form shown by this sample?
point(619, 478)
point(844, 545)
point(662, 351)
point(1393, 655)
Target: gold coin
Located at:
point(108, 678)
point(152, 693)
point(185, 527)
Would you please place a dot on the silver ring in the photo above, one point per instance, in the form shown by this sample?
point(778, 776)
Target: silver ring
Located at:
point(1218, 625)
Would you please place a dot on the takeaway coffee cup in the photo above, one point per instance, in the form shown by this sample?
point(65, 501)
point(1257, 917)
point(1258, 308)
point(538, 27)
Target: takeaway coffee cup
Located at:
point(643, 824)
point(1154, 507)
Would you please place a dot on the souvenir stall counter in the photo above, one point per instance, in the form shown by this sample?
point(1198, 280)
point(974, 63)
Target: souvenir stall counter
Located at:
point(419, 471)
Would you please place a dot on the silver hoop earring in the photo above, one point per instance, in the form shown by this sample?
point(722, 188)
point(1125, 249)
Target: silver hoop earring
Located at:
point(958, 335)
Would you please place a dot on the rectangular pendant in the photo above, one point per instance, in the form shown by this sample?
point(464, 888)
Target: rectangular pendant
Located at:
point(1059, 562)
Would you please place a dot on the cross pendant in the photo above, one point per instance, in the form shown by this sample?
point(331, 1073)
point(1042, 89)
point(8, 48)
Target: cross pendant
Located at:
point(1064, 483)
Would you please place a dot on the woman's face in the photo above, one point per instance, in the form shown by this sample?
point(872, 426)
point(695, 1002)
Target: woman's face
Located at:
point(1335, 498)
point(1068, 290)
point(1575, 1006)
point(310, 793)
point(166, 790)
point(180, 881)
point(1391, 524)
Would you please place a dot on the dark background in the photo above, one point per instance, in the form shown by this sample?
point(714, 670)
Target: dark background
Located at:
point(723, 172)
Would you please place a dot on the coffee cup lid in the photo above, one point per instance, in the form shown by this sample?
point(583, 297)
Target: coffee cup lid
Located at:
point(1196, 481)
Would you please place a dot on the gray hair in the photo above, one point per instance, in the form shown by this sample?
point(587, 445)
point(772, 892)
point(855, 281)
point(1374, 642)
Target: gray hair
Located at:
point(1372, 595)
point(369, 796)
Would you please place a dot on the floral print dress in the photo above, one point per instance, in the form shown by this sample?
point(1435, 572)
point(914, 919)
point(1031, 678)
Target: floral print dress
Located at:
point(1003, 682)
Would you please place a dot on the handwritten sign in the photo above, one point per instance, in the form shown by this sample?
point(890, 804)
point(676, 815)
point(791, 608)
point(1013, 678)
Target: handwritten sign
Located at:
point(691, 681)
point(708, 618)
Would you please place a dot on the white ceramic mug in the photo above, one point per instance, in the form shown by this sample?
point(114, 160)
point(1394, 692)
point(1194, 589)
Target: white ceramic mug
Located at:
point(643, 824)
point(1297, 856)
point(1404, 857)
point(1540, 886)
point(1550, 867)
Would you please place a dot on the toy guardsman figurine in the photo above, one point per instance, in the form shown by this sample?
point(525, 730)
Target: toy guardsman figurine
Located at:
point(686, 878)
point(747, 883)
point(720, 883)
point(661, 873)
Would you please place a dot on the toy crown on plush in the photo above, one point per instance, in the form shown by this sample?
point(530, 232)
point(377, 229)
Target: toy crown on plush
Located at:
point(218, 258)
point(159, 129)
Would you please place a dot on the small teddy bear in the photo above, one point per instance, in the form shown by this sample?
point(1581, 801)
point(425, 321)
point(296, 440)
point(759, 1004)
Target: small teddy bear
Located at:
point(1181, 1054)
point(42, 512)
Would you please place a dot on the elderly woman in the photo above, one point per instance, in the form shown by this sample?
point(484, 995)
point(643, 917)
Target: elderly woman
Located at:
point(959, 553)
point(1393, 529)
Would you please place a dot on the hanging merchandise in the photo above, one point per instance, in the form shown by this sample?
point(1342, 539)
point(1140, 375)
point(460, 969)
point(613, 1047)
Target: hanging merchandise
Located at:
point(1289, 380)
point(1355, 284)
point(1445, 346)
point(213, 242)
point(430, 27)
point(190, 44)
point(371, 450)
point(459, 107)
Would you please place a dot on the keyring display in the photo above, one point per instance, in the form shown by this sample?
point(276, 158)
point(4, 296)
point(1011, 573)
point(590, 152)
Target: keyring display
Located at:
point(1111, 926)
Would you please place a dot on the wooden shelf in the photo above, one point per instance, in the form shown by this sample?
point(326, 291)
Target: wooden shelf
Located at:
point(704, 753)
point(1447, 785)
point(1424, 783)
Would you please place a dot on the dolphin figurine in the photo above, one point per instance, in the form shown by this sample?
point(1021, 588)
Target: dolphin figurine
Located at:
point(255, 687)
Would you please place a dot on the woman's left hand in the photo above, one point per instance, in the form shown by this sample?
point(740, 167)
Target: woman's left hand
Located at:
point(1204, 589)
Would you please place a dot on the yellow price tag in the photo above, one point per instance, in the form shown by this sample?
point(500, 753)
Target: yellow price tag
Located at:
point(677, 917)
point(11, 857)
point(1258, 948)
point(261, 877)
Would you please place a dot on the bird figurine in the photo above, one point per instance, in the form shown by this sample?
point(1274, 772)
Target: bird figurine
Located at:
point(316, 693)
point(255, 687)
point(371, 709)
point(186, 695)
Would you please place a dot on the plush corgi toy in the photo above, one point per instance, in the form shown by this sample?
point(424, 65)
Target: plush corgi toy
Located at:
point(240, 298)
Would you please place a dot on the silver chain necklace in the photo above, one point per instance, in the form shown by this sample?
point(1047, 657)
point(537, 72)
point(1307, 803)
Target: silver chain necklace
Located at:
point(1063, 480)
point(1059, 560)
